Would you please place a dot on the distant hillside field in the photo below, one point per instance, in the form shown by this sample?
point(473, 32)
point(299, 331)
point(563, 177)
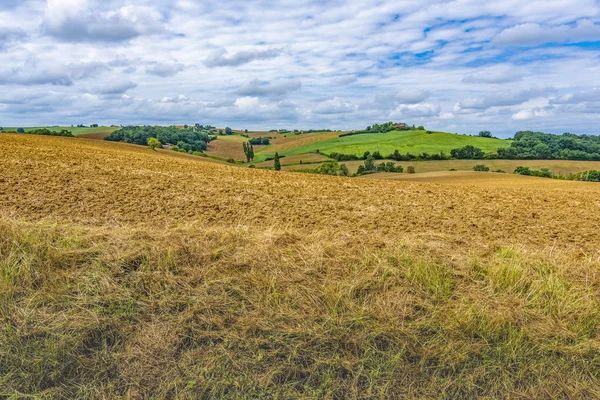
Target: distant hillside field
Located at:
point(488, 180)
point(93, 132)
point(414, 142)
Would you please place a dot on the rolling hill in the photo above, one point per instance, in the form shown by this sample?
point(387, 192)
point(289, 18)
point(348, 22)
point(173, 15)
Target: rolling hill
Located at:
point(414, 142)
point(131, 273)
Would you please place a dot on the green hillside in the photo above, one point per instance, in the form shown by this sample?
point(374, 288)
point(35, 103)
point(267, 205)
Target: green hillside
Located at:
point(414, 142)
point(74, 130)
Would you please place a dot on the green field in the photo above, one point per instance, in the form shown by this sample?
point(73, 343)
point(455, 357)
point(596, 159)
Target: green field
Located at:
point(414, 142)
point(74, 130)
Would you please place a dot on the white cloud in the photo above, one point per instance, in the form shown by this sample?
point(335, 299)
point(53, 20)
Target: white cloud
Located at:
point(524, 115)
point(533, 34)
point(247, 103)
point(454, 65)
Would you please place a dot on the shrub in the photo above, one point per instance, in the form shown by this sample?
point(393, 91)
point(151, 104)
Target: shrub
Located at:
point(252, 166)
point(20, 130)
point(410, 169)
point(521, 170)
point(452, 169)
point(481, 167)
point(500, 171)
point(231, 161)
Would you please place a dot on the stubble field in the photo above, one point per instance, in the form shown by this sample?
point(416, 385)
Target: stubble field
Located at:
point(131, 273)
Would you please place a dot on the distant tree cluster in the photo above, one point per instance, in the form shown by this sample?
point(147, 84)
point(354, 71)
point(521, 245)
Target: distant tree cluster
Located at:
point(187, 139)
point(46, 132)
point(396, 156)
point(538, 145)
point(544, 172)
point(257, 141)
point(587, 176)
point(467, 153)
point(369, 167)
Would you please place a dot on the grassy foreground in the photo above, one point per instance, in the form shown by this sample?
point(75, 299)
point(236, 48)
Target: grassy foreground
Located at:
point(261, 313)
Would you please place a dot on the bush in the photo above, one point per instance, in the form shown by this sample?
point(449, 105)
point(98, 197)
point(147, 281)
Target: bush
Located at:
point(252, 166)
point(153, 143)
point(500, 171)
point(410, 169)
point(20, 130)
point(544, 172)
point(481, 167)
point(452, 169)
point(231, 161)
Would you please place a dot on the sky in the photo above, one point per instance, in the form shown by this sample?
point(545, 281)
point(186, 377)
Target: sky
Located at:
point(458, 66)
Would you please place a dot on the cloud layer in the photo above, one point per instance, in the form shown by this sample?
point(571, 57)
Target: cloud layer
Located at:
point(458, 65)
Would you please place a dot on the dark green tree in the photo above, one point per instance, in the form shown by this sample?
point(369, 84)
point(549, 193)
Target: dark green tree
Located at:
point(248, 151)
point(276, 162)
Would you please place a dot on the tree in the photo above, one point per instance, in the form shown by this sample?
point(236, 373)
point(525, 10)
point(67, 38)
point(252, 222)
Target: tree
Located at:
point(410, 169)
point(248, 151)
point(276, 163)
point(344, 170)
point(228, 131)
point(370, 164)
point(487, 134)
point(20, 130)
point(245, 130)
point(153, 143)
point(481, 168)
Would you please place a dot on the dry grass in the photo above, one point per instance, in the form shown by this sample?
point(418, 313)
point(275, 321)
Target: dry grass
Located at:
point(126, 273)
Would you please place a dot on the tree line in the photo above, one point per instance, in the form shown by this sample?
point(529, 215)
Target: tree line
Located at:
point(45, 132)
point(190, 139)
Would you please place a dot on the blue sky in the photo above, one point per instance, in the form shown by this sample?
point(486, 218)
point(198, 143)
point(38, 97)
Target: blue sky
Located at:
point(459, 66)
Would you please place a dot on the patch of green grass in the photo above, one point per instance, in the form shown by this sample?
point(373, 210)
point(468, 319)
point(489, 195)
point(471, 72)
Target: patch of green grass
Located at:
point(414, 142)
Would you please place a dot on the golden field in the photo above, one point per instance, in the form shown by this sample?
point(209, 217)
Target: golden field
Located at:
point(128, 273)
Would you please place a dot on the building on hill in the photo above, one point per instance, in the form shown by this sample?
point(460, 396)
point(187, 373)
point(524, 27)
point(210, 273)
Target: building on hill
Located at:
point(400, 125)
point(168, 146)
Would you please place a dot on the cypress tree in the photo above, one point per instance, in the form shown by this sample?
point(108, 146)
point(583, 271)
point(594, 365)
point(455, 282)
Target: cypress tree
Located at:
point(276, 163)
